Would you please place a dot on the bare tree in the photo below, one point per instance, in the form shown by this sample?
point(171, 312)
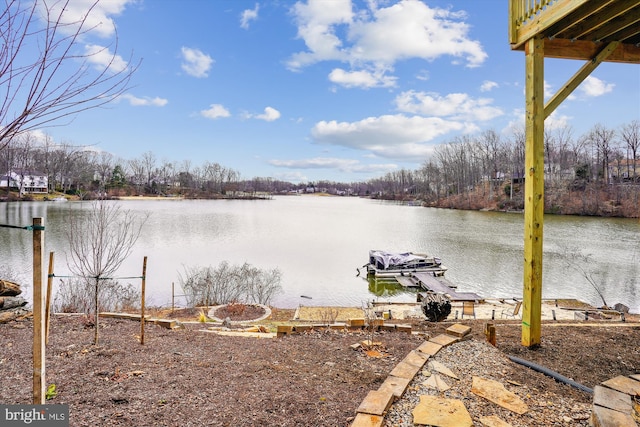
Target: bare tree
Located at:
point(583, 264)
point(630, 135)
point(100, 242)
point(45, 73)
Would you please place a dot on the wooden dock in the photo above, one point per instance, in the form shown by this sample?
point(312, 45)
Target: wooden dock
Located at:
point(430, 283)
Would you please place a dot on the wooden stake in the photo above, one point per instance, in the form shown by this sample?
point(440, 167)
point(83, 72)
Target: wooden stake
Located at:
point(173, 297)
point(39, 382)
point(144, 279)
point(47, 306)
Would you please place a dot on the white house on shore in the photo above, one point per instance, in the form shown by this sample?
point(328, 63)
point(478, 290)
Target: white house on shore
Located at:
point(27, 182)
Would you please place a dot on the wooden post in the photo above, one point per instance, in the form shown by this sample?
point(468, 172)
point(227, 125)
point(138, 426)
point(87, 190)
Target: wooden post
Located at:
point(534, 193)
point(48, 303)
point(490, 333)
point(39, 381)
point(144, 279)
point(173, 296)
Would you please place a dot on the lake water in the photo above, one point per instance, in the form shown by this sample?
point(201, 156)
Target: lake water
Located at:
point(319, 243)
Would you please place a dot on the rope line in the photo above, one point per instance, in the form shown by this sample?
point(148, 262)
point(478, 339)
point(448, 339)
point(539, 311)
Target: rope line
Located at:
point(95, 277)
point(28, 227)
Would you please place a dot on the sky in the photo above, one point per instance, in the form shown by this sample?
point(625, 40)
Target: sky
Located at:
point(313, 90)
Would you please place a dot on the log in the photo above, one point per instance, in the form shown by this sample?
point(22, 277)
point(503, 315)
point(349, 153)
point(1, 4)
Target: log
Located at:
point(16, 313)
point(9, 289)
point(435, 306)
point(7, 303)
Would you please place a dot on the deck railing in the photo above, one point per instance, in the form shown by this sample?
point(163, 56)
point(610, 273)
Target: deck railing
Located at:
point(522, 11)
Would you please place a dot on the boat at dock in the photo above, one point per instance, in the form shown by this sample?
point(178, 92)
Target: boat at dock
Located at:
point(422, 273)
point(383, 263)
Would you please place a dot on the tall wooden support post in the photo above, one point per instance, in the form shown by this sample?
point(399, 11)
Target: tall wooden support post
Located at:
point(534, 193)
point(39, 381)
point(144, 279)
point(47, 306)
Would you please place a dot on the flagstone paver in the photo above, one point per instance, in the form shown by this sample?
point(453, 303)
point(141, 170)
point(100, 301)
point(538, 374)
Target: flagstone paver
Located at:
point(377, 402)
point(458, 330)
point(405, 370)
point(441, 412)
point(495, 392)
point(416, 359)
point(396, 384)
point(429, 347)
point(444, 339)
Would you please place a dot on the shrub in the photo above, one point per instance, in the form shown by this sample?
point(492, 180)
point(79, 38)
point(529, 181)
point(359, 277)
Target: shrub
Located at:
point(230, 284)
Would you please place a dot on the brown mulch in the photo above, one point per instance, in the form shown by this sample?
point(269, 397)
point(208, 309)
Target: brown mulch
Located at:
point(239, 312)
point(191, 378)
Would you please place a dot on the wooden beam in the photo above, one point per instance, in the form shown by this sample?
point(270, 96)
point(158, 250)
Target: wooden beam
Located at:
point(578, 78)
point(585, 50)
point(534, 193)
point(629, 19)
point(584, 22)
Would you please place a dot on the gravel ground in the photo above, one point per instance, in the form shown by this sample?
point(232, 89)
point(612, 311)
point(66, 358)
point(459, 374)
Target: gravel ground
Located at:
point(190, 378)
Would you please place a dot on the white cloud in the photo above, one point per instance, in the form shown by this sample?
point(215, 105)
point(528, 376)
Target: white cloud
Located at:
point(270, 114)
point(392, 136)
point(102, 58)
point(343, 165)
point(488, 85)
point(381, 36)
point(215, 111)
point(458, 106)
point(554, 121)
point(292, 176)
point(317, 21)
point(195, 62)
point(96, 15)
point(249, 15)
point(363, 79)
point(145, 101)
point(593, 86)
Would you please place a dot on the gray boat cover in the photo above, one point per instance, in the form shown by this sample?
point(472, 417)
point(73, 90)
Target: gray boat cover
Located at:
point(386, 260)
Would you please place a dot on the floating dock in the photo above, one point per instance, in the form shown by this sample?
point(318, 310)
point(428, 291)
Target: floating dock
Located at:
point(430, 283)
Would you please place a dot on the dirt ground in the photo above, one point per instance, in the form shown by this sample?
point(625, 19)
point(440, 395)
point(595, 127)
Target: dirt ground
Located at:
point(191, 378)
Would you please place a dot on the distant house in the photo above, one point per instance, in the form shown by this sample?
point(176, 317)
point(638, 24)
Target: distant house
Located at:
point(27, 182)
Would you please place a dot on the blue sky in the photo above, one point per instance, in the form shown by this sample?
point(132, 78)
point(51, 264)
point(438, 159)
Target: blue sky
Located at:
point(323, 89)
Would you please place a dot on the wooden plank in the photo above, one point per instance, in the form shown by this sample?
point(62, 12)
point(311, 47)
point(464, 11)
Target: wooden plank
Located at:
point(585, 50)
point(623, 384)
point(534, 193)
point(407, 282)
point(604, 417)
point(435, 284)
point(612, 399)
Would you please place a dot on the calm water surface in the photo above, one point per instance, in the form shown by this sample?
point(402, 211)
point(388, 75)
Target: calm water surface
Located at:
point(319, 242)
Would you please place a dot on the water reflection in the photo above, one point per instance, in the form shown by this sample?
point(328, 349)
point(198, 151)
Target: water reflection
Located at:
point(319, 242)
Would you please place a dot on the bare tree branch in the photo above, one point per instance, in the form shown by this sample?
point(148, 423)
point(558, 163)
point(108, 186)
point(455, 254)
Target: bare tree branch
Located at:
point(44, 74)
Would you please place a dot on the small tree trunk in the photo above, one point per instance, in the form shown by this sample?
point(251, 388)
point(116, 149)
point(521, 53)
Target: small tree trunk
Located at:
point(95, 313)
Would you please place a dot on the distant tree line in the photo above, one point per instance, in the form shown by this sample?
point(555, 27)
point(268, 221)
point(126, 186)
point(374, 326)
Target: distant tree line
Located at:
point(597, 173)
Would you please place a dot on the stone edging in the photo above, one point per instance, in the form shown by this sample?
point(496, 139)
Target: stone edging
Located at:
point(373, 408)
point(267, 313)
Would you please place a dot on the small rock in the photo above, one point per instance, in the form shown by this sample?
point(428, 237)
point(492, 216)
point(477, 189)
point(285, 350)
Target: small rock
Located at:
point(227, 322)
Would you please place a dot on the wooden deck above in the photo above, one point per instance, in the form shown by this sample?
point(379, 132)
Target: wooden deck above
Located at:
point(578, 29)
